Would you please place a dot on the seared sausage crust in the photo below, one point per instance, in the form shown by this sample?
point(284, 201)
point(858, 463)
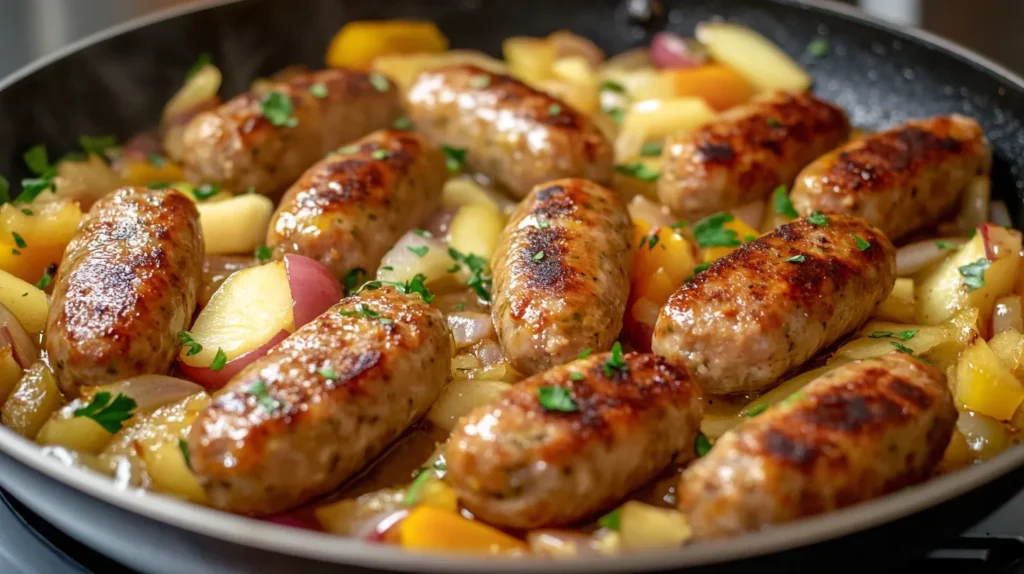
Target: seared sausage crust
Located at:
point(511, 132)
point(747, 152)
point(757, 313)
point(322, 404)
point(561, 274)
point(518, 465)
point(126, 287)
point(901, 180)
point(351, 207)
point(863, 430)
point(237, 146)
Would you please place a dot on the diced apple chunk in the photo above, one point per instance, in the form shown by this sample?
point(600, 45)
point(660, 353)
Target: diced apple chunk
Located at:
point(34, 399)
point(81, 434)
point(985, 385)
point(28, 303)
point(899, 305)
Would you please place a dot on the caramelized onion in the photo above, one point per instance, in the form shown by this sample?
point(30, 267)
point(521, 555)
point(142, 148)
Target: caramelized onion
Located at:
point(670, 51)
point(14, 334)
point(916, 256)
point(469, 327)
point(153, 391)
point(1007, 315)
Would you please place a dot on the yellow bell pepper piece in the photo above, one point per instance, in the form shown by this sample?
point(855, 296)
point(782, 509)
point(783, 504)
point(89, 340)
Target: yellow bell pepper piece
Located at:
point(358, 43)
point(433, 529)
point(744, 233)
point(660, 264)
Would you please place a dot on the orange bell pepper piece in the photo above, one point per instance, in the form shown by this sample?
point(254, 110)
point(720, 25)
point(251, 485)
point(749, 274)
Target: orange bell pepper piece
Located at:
point(357, 44)
point(432, 529)
point(719, 85)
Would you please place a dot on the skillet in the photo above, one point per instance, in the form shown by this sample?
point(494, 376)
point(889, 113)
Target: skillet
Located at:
point(117, 81)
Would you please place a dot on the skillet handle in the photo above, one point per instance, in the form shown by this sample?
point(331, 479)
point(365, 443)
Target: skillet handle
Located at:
point(649, 14)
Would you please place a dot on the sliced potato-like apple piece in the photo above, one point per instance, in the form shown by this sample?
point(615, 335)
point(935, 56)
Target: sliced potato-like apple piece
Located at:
point(236, 225)
point(899, 305)
point(27, 302)
point(460, 397)
point(985, 385)
point(763, 64)
point(35, 398)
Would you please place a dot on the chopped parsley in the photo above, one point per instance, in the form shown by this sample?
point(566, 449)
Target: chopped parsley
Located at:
point(576, 376)
point(615, 363)
point(110, 414)
point(194, 348)
point(542, 222)
point(757, 410)
point(817, 218)
point(556, 399)
point(97, 145)
point(353, 279)
point(652, 149)
point(710, 232)
point(156, 160)
point(617, 114)
point(412, 494)
point(611, 86)
point(219, 360)
point(156, 185)
point(319, 90)
point(943, 244)
point(263, 398)
point(422, 233)
point(554, 110)
point(26, 211)
point(861, 244)
point(361, 310)
point(701, 268)
point(206, 191)
point(263, 254)
point(974, 273)
point(818, 47)
point(538, 257)
point(651, 241)
point(380, 154)
point(702, 445)
point(783, 206)
point(278, 110)
point(204, 59)
point(901, 347)
point(901, 335)
point(585, 353)
point(774, 123)
point(348, 149)
point(414, 285)
point(18, 240)
point(419, 251)
point(47, 277)
point(972, 233)
point(380, 83)
point(454, 158)
point(792, 398)
point(612, 520)
point(480, 81)
point(15, 252)
point(403, 123)
point(328, 373)
point(183, 447)
point(797, 259)
point(638, 170)
point(38, 162)
point(479, 279)
point(36, 159)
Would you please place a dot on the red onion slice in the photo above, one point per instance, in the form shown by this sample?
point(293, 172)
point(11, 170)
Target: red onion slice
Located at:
point(154, 391)
point(670, 51)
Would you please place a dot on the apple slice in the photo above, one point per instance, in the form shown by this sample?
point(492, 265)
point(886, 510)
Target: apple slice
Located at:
point(254, 310)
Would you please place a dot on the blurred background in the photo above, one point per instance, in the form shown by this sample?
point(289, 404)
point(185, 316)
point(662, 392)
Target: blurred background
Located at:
point(32, 28)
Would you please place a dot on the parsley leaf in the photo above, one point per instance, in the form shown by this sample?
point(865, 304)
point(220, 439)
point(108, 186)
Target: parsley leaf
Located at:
point(817, 218)
point(328, 373)
point(47, 277)
point(353, 279)
point(943, 244)
point(480, 81)
point(347, 149)
point(974, 273)
point(380, 154)
point(413, 493)
point(263, 254)
point(206, 191)
point(554, 110)
point(774, 123)
point(576, 376)
point(556, 399)
point(37, 160)
point(902, 348)
point(263, 398)
point(861, 244)
point(380, 83)
point(615, 363)
point(585, 353)
point(791, 398)
point(702, 445)
point(109, 414)
point(454, 158)
point(318, 90)
point(194, 348)
point(156, 160)
point(219, 360)
point(361, 310)
point(201, 62)
point(414, 285)
point(403, 123)
point(612, 520)
point(617, 114)
point(419, 251)
point(652, 149)
point(278, 110)
point(901, 335)
point(783, 206)
point(797, 259)
point(818, 47)
point(97, 145)
point(183, 447)
point(639, 171)
point(422, 233)
point(757, 410)
point(709, 232)
point(19, 240)
point(480, 279)
point(538, 257)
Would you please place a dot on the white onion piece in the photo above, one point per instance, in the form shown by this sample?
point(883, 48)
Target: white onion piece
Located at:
point(489, 353)
point(1007, 315)
point(752, 213)
point(974, 209)
point(999, 214)
point(986, 437)
point(468, 327)
point(670, 51)
point(13, 333)
point(153, 391)
point(642, 209)
point(916, 256)
point(405, 264)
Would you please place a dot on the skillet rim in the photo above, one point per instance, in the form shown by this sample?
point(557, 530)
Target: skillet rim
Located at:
point(218, 525)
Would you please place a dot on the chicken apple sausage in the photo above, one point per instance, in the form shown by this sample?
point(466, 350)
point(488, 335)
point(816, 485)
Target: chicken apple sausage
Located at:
point(351, 207)
point(747, 152)
point(561, 274)
point(901, 180)
point(264, 141)
point(770, 305)
point(568, 443)
point(322, 404)
point(126, 287)
point(511, 132)
point(863, 430)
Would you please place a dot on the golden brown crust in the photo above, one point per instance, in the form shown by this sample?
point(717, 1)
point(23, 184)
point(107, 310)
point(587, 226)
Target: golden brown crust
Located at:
point(561, 274)
point(126, 286)
point(900, 180)
point(516, 134)
point(756, 314)
point(236, 146)
point(858, 432)
point(747, 152)
point(350, 208)
point(515, 463)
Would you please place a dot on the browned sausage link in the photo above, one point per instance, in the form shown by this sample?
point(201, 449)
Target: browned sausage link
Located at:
point(511, 132)
point(322, 404)
point(350, 208)
point(126, 287)
point(901, 180)
point(520, 465)
point(769, 306)
point(561, 274)
point(238, 146)
point(863, 430)
point(747, 152)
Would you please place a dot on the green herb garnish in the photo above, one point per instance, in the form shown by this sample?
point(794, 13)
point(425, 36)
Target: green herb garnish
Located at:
point(797, 259)
point(943, 244)
point(817, 218)
point(554, 110)
point(110, 414)
point(263, 254)
point(818, 47)
point(380, 83)
point(319, 90)
point(328, 373)
point(183, 447)
point(774, 123)
point(194, 348)
point(652, 149)
point(36, 159)
point(97, 145)
point(974, 273)
point(783, 206)
point(413, 493)
point(348, 149)
point(263, 398)
point(710, 232)
point(219, 360)
point(585, 353)
point(538, 256)
point(419, 251)
point(480, 279)
point(206, 191)
point(18, 240)
point(861, 244)
point(380, 154)
point(480, 81)
point(204, 59)
point(361, 310)
point(576, 376)
point(901, 347)
point(47, 278)
point(403, 123)
point(702, 445)
point(454, 158)
point(612, 520)
point(639, 171)
point(556, 399)
point(156, 160)
point(757, 410)
point(278, 110)
point(901, 335)
point(353, 279)
point(615, 363)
